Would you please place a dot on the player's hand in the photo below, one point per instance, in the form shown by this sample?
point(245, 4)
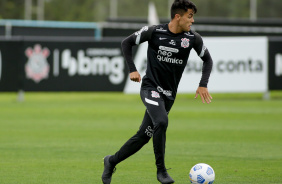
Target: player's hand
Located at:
point(204, 94)
point(135, 76)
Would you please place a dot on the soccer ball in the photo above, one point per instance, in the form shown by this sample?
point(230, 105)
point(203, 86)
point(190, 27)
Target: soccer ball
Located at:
point(202, 174)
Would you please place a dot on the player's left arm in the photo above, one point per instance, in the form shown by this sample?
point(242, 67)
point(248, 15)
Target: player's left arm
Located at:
point(204, 54)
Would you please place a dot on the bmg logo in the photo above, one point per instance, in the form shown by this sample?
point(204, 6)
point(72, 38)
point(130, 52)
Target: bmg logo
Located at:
point(278, 65)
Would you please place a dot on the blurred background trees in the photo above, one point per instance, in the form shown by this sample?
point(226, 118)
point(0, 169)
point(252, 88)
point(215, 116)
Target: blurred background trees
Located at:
point(101, 10)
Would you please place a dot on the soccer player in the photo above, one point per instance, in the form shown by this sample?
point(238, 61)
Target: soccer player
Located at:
point(168, 51)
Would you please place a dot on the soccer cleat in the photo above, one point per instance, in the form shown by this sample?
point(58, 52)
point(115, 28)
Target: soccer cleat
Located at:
point(109, 169)
point(164, 177)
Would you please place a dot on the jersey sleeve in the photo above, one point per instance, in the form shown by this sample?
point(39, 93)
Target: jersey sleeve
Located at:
point(204, 54)
point(143, 35)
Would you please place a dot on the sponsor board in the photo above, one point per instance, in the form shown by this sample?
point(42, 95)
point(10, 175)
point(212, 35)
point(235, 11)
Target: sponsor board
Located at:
point(77, 68)
point(63, 66)
point(240, 65)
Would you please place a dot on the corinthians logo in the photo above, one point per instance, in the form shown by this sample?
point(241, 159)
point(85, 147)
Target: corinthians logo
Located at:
point(185, 42)
point(37, 67)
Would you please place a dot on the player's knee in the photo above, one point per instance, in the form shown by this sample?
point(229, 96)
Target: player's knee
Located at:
point(162, 122)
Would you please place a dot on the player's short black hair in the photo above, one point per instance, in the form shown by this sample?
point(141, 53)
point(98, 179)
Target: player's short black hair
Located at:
point(181, 6)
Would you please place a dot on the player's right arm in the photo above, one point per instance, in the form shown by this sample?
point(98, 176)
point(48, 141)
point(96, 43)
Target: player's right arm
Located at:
point(136, 38)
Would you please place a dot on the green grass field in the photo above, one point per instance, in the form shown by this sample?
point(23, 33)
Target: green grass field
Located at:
point(61, 138)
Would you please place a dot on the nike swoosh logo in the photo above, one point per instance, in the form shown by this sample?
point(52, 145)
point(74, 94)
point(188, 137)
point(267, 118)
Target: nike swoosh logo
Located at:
point(162, 38)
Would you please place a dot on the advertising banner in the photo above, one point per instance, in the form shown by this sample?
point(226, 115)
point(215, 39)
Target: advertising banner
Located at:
point(240, 65)
point(65, 66)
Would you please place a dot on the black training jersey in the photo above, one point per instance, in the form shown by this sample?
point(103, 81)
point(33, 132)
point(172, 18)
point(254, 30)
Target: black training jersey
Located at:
point(167, 57)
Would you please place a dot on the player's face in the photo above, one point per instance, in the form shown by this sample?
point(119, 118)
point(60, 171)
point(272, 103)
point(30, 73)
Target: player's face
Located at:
point(186, 20)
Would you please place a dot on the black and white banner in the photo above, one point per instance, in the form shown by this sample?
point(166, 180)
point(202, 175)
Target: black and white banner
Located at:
point(63, 66)
point(241, 64)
